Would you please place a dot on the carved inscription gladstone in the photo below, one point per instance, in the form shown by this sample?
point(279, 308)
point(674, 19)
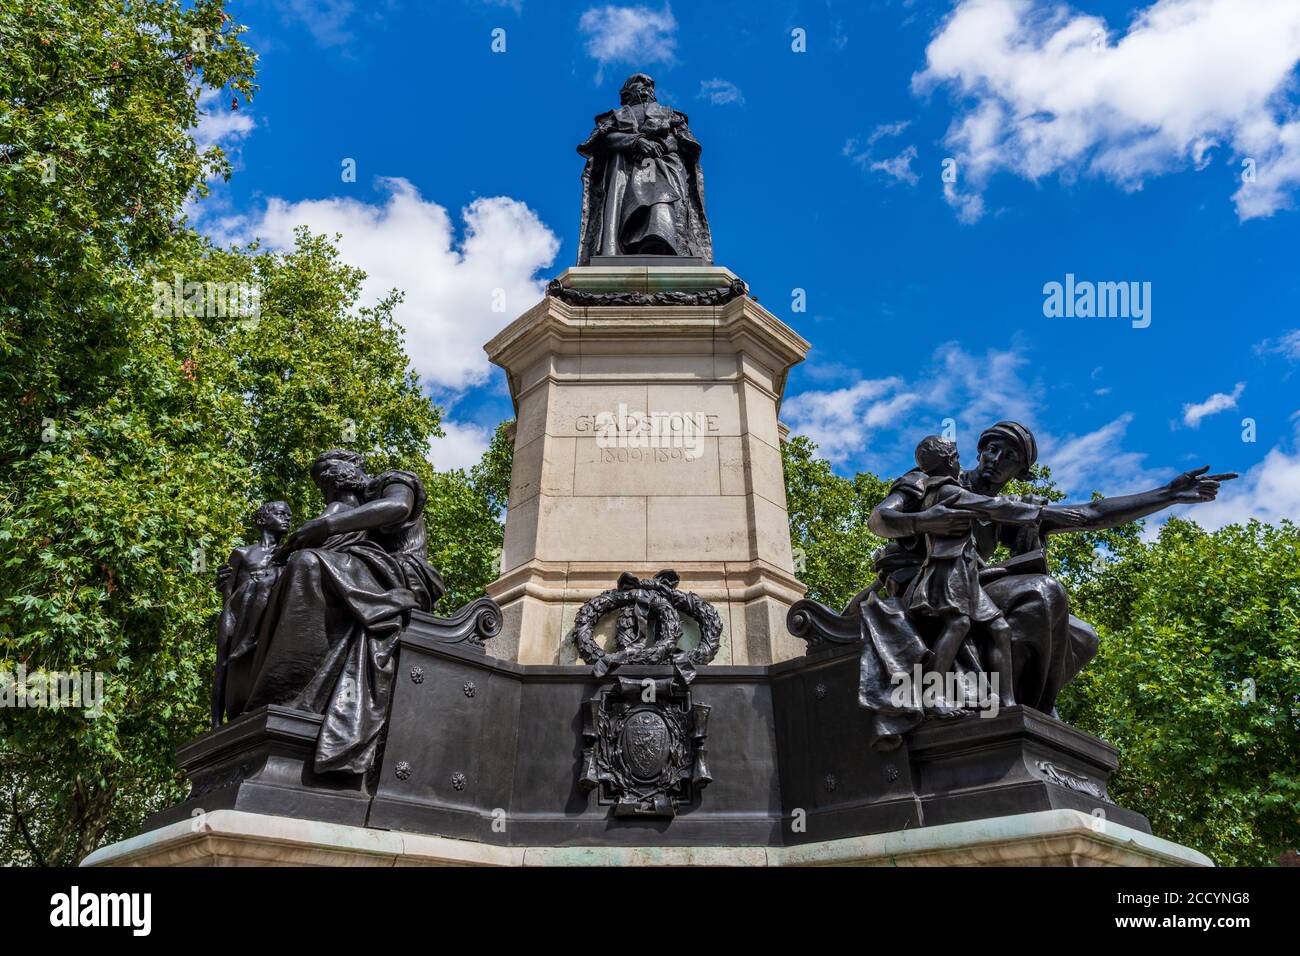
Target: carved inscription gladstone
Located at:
point(654, 437)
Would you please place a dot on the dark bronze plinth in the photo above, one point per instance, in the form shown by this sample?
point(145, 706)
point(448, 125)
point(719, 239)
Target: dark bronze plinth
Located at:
point(489, 750)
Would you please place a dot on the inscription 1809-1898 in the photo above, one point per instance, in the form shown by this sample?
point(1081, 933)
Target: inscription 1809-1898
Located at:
point(648, 437)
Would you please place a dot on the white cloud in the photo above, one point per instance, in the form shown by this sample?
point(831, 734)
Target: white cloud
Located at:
point(1218, 402)
point(899, 167)
point(721, 92)
point(629, 35)
point(1052, 92)
point(325, 20)
point(1287, 344)
point(853, 421)
point(451, 286)
point(218, 124)
point(1269, 492)
point(461, 446)
point(978, 390)
point(969, 206)
point(888, 129)
point(876, 423)
point(1097, 461)
point(840, 420)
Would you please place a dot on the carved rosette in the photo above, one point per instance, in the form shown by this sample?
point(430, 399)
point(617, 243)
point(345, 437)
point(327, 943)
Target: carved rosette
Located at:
point(656, 602)
point(644, 757)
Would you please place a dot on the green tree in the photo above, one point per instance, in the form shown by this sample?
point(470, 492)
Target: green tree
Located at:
point(465, 515)
point(141, 429)
point(97, 104)
point(1197, 683)
point(110, 530)
point(828, 523)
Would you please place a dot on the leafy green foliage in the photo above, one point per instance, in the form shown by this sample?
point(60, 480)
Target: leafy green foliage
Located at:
point(828, 523)
point(465, 516)
point(110, 530)
point(138, 436)
point(1198, 684)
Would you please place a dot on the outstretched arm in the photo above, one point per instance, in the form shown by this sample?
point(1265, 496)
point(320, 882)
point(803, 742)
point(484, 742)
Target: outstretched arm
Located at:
point(1190, 487)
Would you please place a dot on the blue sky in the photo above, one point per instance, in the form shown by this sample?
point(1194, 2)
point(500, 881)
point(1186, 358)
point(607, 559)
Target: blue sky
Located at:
point(1106, 140)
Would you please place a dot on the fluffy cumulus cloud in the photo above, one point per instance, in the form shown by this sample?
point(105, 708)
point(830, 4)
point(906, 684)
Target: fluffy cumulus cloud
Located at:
point(632, 34)
point(841, 420)
point(1048, 90)
point(461, 445)
point(1218, 402)
point(459, 290)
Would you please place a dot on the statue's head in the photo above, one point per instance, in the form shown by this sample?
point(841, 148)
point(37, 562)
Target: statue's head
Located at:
point(1007, 450)
point(339, 470)
point(637, 88)
point(937, 456)
point(274, 516)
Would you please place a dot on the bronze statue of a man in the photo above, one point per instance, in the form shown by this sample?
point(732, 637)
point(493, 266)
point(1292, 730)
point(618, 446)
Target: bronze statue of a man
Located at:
point(642, 188)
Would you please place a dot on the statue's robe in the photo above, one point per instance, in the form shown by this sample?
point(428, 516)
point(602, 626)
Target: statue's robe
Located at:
point(631, 204)
point(1049, 646)
point(327, 638)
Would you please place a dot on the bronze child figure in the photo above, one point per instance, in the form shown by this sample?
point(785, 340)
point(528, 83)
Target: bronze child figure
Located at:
point(245, 584)
point(948, 585)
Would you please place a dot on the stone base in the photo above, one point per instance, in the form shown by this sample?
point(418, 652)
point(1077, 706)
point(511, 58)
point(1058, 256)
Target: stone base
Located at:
point(1047, 838)
point(647, 437)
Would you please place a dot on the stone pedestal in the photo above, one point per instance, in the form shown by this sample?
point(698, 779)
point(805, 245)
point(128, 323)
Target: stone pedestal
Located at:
point(1049, 838)
point(647, 437)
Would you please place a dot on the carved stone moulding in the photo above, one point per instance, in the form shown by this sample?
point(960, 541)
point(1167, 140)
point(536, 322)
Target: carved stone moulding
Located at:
point(584, 298)
point(644, 747)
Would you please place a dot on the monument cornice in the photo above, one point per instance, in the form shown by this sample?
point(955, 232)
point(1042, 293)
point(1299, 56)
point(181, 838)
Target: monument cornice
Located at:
point(581, 580)
point(554, 328)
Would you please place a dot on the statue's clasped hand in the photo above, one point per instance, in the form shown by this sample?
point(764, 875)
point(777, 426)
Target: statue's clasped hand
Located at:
point(942, 520)
point(649, 148)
